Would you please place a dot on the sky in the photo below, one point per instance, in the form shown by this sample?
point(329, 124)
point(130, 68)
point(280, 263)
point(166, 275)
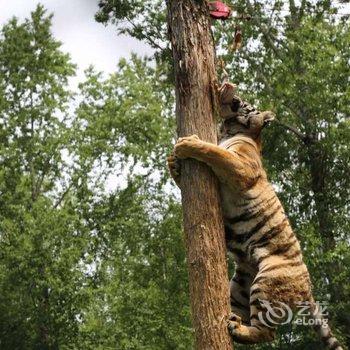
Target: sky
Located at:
point(74, 25)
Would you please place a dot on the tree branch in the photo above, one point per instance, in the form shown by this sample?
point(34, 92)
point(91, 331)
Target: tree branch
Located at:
point(302, 9)
point(292, 7)
point(301, 136)
point(147, 37)
point(265, 32)
point(63, 195)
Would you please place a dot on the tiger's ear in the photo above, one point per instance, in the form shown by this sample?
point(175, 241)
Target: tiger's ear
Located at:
point(268, 116)
point(227, 92)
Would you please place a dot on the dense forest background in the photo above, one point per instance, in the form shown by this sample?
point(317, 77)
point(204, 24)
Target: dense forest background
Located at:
point(88, 264)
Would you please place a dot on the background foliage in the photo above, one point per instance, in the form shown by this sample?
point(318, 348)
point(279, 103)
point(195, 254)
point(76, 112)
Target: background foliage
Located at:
point(91, 252)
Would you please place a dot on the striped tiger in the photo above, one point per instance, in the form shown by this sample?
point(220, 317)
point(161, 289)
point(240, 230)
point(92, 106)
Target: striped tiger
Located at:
point(267, 254)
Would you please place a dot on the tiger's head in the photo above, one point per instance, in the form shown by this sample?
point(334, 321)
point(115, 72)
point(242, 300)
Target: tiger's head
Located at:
point(239, 117)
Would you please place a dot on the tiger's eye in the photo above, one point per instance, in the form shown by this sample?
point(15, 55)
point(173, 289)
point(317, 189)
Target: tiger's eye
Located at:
point(235, 105)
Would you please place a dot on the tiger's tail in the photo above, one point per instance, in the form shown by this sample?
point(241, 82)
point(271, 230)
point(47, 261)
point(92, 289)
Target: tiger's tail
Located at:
point(323, 329)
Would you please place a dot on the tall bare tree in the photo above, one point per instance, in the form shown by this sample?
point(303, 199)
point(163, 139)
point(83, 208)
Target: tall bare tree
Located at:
point(196, 102)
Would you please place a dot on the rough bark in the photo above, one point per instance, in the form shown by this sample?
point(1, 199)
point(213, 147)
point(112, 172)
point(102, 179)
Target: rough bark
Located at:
point(195, 76)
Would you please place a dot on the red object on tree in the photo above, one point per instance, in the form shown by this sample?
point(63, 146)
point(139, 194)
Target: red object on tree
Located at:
point(219, 10)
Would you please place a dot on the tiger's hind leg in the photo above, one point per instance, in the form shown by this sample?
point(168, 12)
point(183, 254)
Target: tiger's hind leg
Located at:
point(255, 333)
point(239, 296)
point(274, 291)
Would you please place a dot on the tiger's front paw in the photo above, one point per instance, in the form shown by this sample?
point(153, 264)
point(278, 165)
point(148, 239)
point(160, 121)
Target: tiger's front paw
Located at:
point(174, 168)
point(186, 147)
point(233, 323)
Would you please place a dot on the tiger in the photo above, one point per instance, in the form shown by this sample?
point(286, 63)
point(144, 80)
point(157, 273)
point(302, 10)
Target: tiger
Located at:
point(269, 266)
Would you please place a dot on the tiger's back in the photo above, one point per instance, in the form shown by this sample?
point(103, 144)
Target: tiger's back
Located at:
point(260, 238)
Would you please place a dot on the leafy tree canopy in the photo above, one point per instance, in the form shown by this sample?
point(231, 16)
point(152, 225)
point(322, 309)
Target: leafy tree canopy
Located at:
point(91, 254)
point(295, 61)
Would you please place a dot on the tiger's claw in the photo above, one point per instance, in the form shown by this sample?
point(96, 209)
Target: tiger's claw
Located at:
point(174, 167)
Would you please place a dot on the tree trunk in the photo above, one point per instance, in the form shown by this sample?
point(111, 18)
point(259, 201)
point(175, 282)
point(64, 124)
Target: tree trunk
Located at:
point(196, 103)
point(326, 226)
